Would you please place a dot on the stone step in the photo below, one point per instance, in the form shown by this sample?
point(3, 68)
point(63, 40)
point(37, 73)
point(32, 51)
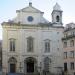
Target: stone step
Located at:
point(21, 74)
point(15, 74)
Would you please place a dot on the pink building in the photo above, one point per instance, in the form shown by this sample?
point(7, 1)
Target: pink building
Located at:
point(69, 49)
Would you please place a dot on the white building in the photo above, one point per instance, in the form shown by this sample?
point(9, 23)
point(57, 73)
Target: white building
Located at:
point(31, 43)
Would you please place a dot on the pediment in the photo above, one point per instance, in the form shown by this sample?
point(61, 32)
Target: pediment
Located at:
point(30, 9)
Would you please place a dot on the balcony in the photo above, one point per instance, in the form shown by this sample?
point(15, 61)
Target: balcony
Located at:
point(68, 37)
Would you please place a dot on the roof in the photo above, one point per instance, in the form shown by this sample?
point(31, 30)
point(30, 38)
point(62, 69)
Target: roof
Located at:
point(69, 27)
point(57, 7)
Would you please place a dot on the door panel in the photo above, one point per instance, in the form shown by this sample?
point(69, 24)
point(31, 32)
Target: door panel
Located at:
point(12, 68)
point(30, 67)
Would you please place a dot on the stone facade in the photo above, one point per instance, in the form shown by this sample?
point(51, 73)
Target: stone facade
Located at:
point(31, 43)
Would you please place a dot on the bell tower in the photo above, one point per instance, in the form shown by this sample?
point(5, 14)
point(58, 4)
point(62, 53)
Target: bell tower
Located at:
point(57, 15)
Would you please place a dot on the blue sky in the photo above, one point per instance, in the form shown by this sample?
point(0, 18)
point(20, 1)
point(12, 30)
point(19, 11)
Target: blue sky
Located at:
point(8, 9)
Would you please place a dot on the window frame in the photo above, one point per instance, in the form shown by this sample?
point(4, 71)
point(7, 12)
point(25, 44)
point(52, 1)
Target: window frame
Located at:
point(47, 45)
point(12, 44)
point(72, 65)
point(65, 66)
point(71, 43)
point(30, 44)
point(72, 54)
point(65, 55)
point(65, 44)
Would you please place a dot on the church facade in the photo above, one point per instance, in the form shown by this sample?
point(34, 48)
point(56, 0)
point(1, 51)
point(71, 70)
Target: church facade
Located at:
point(32, 44)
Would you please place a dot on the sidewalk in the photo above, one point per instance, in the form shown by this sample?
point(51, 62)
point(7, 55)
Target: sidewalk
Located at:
point(0, 72)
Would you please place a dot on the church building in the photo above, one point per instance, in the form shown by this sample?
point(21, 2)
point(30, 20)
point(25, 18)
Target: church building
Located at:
point(32, 44)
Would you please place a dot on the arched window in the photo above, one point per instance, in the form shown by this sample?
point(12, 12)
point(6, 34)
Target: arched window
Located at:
point(57, 18)
point(30, 44)
point(12, 44)
point(72, 43)
point(47, 62)
point(47, 45)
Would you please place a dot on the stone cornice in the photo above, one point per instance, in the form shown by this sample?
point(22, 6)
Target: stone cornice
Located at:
point(69, 29)
point(42, 25)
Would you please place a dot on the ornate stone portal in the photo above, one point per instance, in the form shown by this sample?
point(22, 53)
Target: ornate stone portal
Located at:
point(30, 65)
point(12, 65)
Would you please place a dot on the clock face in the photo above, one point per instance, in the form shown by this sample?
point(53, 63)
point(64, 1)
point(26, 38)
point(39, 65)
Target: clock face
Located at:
point(30, 18)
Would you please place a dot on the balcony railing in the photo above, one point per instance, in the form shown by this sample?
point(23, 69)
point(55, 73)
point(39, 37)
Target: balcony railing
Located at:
point(68, 37)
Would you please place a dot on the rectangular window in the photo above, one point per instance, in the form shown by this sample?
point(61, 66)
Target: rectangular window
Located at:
point(71, 43)
point(65, 66)
point(65, 44)
point(72, 54)
point(47, 46)
point(12, 44)
point(65, 54)
point(30, 44)
point(72, 65)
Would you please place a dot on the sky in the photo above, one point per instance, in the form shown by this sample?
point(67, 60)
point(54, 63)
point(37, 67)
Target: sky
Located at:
point(8, 9)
